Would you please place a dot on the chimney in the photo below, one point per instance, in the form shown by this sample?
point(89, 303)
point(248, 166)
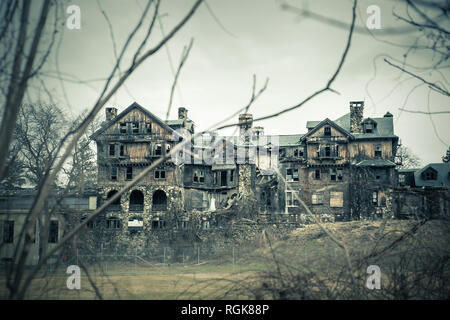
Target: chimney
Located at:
point(111, 113)
point(245, 124)
point(258, 132)
point(182, 113)
point(356, 116)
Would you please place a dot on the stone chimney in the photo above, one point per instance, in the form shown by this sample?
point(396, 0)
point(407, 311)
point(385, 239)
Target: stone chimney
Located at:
point(245, 124)
point(356, 116)
point(258, 132)
point(182, 113)
point(111, 113)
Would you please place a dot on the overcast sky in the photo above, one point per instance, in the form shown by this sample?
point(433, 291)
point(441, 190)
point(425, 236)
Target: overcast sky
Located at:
point(255, 37)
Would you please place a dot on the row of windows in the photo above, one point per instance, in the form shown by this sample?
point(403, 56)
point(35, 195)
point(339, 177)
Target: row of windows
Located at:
point(158, 174)
point(135, 127)
point(336, 174)
point(8, 232)
point(336, 199)
point(328, 151)
point(137, 224)
point(119, 149)
point(220, 177)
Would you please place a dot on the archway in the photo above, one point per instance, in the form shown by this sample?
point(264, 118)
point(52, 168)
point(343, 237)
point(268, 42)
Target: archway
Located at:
point(116, 204)
point(136, 201)
point(159, 202)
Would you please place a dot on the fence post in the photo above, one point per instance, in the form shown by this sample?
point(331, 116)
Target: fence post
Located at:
point(164, 261)
point(233, 256)
point(135, 257)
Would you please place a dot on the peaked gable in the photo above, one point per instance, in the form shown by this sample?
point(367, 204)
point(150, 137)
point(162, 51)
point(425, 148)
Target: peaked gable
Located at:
point(133, 106)
point(331, 123)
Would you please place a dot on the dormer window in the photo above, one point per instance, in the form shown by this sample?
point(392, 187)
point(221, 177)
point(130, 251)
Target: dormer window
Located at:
point(369, 125)
point(429, 174)
point(327, 132)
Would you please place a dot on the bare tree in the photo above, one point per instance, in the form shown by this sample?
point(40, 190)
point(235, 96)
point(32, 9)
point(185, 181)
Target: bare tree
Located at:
point(407, 159)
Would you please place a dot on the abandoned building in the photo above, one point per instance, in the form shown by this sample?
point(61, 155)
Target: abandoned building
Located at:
point(340, 170)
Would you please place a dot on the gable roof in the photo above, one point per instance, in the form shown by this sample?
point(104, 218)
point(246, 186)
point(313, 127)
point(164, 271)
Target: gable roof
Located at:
point(134, 105)
point(331, 123)
point(442, 179)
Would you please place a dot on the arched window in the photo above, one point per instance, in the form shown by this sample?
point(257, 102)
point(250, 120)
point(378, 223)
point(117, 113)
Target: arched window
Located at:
point(136, 201)
point(116, 204)
point(159, 202)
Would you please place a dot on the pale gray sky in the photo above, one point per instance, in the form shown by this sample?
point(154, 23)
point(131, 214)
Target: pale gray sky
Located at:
point(297, 55)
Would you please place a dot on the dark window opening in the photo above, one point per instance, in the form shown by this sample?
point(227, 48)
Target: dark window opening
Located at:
point(231, 175)
point(115, 206)
point(53, 231)
point(129, 173)
point(296, 153)
point(148, 127)
point(378, 152)
point(113, 173)
point(136, 201)
point(160, 174)
point(158, 150)
point(327, 151)
point(223, 178)
point(159, 201)
point(122, 150)
point(430, 175)
point(317, 174)
point(123, 128)
point(333, 174)
point(8, 231)
point(135, 127)
point(327, 131)
point(112, 149)
point(158, 224)
point(199, 176)
point(113, 223)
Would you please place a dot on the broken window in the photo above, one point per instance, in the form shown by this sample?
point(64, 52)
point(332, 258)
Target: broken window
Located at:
point(160, 174)
point(336, 199)
point(123, 128)
point(122, 150)
point(292, 174)
point(378, 153)
point(135, 224)
point(317, 198)
point(368, 127)
point(129, 173)
point(135, 127)
point(112, 150)
point(327, 132)
point(295, 152)
point(53, 231)
point(231, 175)
point(113, 173)
point(401, 178)
point(317, 174)
point(113, 223)
point(291, 199)
point(199, 175)
point(90, 224)
point(205, 224)
point(339, 174)
point(375, 197)
point(148, 127)
point(158, 150)
point(8, 231)
point(167, 148)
